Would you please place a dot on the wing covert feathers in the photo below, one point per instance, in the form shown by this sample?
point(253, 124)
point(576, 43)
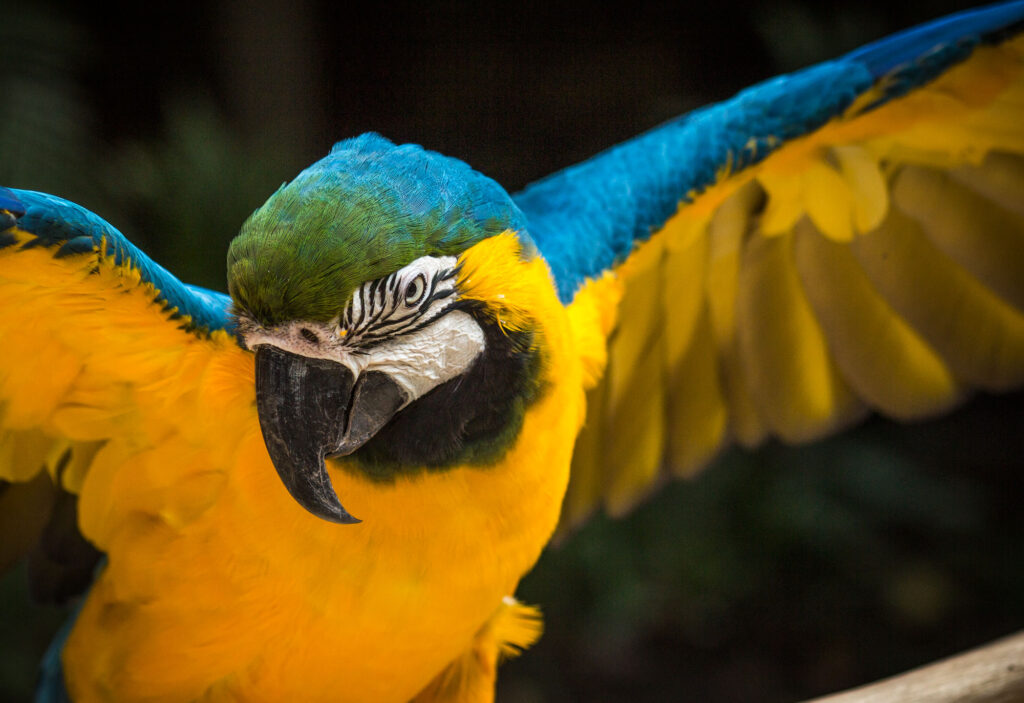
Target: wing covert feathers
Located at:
point(103, 375)
point(876, 264)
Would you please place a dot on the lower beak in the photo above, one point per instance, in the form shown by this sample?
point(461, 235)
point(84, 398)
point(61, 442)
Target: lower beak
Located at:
point(311, 409)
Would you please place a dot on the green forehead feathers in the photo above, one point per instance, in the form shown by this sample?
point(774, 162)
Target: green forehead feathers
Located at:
point(365, 210)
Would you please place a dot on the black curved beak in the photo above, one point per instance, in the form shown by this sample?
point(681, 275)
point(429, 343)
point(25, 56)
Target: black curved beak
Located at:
point(311, 409)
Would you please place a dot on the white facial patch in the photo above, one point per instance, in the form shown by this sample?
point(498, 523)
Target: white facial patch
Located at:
point(439, 352)
point(400, 325)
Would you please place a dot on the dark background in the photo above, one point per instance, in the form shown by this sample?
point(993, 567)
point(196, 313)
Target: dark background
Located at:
point(774, 575)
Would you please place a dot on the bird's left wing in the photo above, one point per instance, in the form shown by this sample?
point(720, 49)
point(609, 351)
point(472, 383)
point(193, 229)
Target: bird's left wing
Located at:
point(107, 359)
point(842, 239)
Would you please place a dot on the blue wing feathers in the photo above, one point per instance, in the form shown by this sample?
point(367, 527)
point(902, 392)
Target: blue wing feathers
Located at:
point(587, 218)
point(962, 30)
point(72, 229)
point(50, 686)
point(9, 203)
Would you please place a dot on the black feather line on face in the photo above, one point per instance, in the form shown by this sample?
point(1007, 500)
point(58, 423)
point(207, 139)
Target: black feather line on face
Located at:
point(370, 340)
point(380, 299)
point(376, 316)
point(362, 310)
point(439, 295)
point(392, 326)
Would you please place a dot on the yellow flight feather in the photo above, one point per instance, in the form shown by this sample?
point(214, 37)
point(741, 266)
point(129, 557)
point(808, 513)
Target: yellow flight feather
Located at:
point(872, 263)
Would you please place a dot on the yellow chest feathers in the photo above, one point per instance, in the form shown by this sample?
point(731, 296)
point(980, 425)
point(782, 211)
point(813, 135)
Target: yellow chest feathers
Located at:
point(272, 603)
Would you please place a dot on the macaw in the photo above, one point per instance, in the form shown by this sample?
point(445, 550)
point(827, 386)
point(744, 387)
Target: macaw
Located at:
point(326, 484)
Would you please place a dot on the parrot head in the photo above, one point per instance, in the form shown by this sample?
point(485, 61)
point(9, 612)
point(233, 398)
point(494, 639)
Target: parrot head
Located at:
point(386, 294)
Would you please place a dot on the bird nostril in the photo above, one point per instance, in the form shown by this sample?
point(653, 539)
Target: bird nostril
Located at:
point(310, 335)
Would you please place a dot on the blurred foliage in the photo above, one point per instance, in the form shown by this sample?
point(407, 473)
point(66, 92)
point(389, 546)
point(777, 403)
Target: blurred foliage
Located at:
point(187, 193)
point(181, 195)
point(46, 126)
point(774, 575)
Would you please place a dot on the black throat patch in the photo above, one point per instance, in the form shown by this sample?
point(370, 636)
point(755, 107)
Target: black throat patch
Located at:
point(469, 420)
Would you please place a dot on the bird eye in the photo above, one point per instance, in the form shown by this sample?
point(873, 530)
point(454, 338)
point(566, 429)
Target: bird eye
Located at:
point(415, 290)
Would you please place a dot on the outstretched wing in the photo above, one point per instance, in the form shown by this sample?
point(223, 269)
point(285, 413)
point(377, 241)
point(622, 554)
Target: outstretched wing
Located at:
point(106, 358)
point(843, 239)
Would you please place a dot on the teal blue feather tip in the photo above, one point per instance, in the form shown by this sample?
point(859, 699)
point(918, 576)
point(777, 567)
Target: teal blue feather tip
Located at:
point(365, 210)
point(10, 203)
point(69, 230)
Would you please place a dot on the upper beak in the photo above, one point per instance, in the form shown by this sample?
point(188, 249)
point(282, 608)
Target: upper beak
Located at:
point(311, 409)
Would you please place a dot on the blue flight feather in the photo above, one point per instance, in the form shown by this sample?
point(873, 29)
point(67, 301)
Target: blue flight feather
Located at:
point(587, 218)
point(74, 230)
point(50, 687)
point(10, 203)
point(965, 28)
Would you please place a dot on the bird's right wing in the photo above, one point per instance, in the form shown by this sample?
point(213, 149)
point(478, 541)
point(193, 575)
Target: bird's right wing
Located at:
point(108, 362)
point(843, 239)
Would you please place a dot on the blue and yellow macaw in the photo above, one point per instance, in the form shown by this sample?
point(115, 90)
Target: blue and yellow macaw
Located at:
point(327, 484)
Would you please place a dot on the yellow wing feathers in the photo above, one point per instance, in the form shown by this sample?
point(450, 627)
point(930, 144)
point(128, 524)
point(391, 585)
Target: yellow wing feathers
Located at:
point(95, 367)
point(874, 265)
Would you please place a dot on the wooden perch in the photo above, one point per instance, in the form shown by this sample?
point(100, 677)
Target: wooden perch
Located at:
point(993, 673)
